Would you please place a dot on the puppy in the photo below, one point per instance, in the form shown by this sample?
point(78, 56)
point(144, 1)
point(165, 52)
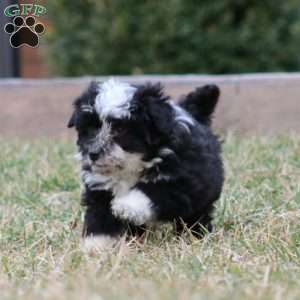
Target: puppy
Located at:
point(146, 159)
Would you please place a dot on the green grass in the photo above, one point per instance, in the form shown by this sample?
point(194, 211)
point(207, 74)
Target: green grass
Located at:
point(254, 252)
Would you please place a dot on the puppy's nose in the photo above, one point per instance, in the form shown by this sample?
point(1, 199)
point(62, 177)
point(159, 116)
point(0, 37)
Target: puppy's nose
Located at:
point(93, 156)
point(96, 154)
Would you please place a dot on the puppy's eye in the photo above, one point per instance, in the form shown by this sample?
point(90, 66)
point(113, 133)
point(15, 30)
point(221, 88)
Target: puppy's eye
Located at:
point(88, 119)
point(118, 126)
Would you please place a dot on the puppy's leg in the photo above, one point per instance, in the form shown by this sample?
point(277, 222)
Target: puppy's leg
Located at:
point(169, 204)
point(135, 207)
point(102, 229)
point(197, 226)
point(135, 231)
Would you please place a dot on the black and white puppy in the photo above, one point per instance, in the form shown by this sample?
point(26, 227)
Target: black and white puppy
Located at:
point(146, 159)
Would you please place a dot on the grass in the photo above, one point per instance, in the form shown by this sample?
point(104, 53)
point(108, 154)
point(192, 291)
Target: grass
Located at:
point(254, 252)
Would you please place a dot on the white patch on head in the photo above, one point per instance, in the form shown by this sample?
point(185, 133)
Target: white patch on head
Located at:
point(183, 117)
point(114, 98)
point(134, 207)
point(98, 243)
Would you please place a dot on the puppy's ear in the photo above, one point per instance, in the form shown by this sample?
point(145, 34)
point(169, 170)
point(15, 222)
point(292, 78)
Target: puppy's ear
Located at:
point(71, 122)
point(151, 107)
point(154, 109)
point(202, 102)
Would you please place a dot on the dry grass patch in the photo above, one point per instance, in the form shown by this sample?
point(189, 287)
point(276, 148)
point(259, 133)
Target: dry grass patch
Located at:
point(254, 252)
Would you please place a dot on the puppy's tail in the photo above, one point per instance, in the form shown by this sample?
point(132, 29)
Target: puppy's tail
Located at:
point(202, 102)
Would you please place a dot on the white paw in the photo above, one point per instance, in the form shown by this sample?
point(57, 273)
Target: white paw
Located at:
point(135, 207)
point(98, 244)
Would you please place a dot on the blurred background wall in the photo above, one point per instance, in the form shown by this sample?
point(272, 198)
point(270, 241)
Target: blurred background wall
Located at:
point(92, 37)
point(132, 37)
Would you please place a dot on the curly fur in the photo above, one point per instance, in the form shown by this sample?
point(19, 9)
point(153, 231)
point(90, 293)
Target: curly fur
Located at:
point(147, 159)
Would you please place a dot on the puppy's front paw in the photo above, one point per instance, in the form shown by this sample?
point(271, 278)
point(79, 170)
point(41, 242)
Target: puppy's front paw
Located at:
point(135, 207)
point(98, 244)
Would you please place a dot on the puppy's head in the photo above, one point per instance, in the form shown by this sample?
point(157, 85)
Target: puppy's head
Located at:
point(121, 126)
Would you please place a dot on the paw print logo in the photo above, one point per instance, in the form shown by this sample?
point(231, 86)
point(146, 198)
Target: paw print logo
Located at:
point(24, 32)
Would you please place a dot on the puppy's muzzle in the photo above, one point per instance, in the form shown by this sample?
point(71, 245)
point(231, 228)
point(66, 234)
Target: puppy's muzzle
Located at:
point(95, 155)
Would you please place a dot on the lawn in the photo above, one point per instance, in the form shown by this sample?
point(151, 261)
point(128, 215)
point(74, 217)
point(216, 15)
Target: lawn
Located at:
point(254, 252)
